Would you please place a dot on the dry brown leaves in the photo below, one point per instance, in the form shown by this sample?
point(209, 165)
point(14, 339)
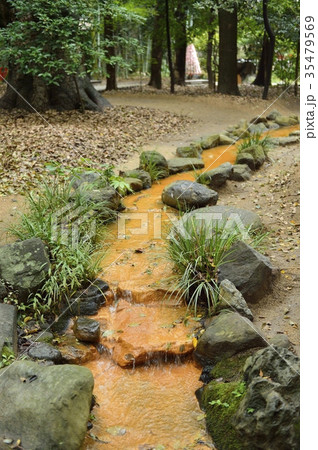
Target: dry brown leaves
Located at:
point(28, 142)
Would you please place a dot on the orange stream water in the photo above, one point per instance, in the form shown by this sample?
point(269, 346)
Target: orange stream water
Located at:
point(153, 405)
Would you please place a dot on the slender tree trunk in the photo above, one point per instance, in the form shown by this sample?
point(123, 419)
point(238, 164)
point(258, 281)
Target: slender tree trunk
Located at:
point(270, 56)
point(169, 48)
point(180, 42)
point(111, 80)
point(297, 69)
point(260, 77)
point(209, 53)
point(157, 46)
point(228, 52)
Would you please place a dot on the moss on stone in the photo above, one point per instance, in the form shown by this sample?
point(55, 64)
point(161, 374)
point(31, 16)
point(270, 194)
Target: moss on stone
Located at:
point(231, 369)
point(258, 154)
point(219, 417)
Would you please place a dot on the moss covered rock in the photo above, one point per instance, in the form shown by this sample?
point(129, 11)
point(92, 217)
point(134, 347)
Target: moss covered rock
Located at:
point(231, 369)
point(193, 150)
point(285, 121)
point(210, 141)
point(258, 154)
point(220, 402)
point(245, 158)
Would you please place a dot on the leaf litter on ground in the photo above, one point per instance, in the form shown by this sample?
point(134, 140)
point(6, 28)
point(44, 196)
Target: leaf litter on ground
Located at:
point(29, 142)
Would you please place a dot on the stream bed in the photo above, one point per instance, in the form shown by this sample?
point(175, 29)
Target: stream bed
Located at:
point(145, 380)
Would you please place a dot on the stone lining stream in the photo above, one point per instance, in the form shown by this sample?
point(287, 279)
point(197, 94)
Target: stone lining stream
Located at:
point(145, 379)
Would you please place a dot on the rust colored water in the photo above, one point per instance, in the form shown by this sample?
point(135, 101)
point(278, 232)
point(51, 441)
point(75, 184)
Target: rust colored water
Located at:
point(155, 405)
point(151, 406)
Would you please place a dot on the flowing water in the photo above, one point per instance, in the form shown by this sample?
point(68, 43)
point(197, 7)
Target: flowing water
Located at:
point(145, 379)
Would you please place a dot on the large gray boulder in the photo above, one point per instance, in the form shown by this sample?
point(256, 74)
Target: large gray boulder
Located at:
point(8, 327)
point(217, 177)
point(177, 165)
point(241, 172)
point(229, 333)
point(231, 298)
point(45, 407)
point(24, 266)
point(154, 159)
point(188, 195)
point(251, 272)
point(268, 416)
point(218, 216)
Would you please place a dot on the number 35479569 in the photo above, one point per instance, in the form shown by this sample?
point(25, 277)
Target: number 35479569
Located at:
point(309, 46)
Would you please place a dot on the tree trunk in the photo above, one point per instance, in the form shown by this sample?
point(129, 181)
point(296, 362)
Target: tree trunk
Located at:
point(270, 55)
point(157, 47)
point(169, 48)
point(111, 78)
point(180, 43)
point(297, 69)
point(209, 53)
point(228, 52)
point(260, 77)
point(31, 93)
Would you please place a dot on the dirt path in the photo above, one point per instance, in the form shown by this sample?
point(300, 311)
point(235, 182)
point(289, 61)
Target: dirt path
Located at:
point(212, 113)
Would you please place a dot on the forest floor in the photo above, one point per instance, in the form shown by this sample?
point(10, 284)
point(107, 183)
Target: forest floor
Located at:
point(151, 120)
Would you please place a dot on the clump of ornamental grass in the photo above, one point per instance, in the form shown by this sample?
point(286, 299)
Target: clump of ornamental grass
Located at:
point(149, 165)
point(197, 252)
point(252, 140)
point(69, 224)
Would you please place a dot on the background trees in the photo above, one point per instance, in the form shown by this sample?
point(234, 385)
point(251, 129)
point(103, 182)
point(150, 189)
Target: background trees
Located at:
point(54, 47)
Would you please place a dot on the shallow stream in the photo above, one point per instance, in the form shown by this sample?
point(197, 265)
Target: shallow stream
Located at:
point(145, 380)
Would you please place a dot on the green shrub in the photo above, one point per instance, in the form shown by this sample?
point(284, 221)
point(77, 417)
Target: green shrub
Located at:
point(254, 140)
point(197, 254)
point(150, 166)
point(72, 263)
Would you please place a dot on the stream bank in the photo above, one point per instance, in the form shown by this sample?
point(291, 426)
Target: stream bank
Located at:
point(137, 271)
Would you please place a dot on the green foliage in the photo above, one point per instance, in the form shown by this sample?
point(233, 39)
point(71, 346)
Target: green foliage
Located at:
point(197, 254)
point(252, 140)
point(150, 166)
point(219, 403)
point(72, 264)
point(106, 172)
point(7, 357)
point(239, 390)
point(218, 418)
point(231, 369)
point(50, 39)
point(56, 38)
